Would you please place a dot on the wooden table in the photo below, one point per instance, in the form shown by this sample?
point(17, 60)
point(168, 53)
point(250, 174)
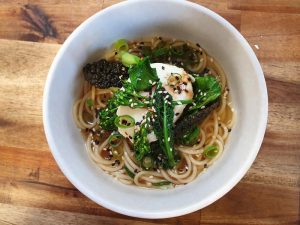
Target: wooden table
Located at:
point(34, 191)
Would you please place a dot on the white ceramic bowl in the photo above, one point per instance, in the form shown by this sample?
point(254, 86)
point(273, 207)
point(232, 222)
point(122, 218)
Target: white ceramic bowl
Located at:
point(144, 18)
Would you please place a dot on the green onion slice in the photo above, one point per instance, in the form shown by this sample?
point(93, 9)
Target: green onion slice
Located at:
point(211, 151)
point(129, 59)
point(183, 102)
point(131, 174)
point(147, 163)
point(121, 45)
point(124, 121)
point(89, 102)
point(162, 183)
point(174, 79)
point(115, 139)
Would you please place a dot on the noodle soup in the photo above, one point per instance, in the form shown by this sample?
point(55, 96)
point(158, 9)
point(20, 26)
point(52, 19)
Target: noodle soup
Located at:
point(154, 113)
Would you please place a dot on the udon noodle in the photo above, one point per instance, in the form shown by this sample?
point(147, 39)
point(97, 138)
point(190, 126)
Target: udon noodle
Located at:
point(213, 131)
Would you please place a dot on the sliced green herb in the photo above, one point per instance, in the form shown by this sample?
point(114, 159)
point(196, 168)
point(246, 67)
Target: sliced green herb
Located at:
point(191, 137)
point(108, 115)
point(207, 89)
point(147, 163)
point(124, 121)
point(211, 151)
point(90, 102)
point(141, 143)
point(142, 76)
point(121, 45)
point(163, 124)
point(115, 139)
point(182, 102)
point(162, 183)
point(131, 174)
point(160, 52)
point(129, 59)
point(125, 96)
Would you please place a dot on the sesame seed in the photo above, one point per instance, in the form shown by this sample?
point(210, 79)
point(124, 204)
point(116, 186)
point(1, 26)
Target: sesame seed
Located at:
point(163, 68)
point(202, 107)
point(197, 44)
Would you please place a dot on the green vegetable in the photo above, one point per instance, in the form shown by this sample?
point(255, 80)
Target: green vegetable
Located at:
point(160, 52)
point(131, 174)
point(163, 124)
point(142, 76)
point(124, 121)
point(207, 90)
point(147, 162)
point(121, 45)
point(162, 183)
point(141, 144)
point(182, 102)
point(191, 137)
point(129, 59)
point(211, 151)
point(115, 139)
point(89, 102)
point(125, 96)
point(108, 115)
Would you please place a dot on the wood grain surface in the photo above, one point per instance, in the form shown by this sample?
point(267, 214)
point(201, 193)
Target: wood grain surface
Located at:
point(34, 191)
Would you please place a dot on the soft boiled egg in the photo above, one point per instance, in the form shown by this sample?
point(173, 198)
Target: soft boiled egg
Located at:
point(177, 83)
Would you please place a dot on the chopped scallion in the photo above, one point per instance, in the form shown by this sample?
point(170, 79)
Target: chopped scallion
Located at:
point(129, 59)
point(131, 174)
point(115, 139)
point(162, 183)
point(121, 45)
point(90, 102)
point(124, 121)
point(211, 151)
point(147, 163)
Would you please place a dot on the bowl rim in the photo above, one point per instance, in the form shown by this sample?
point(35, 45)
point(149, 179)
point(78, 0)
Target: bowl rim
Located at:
point(226, 186)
